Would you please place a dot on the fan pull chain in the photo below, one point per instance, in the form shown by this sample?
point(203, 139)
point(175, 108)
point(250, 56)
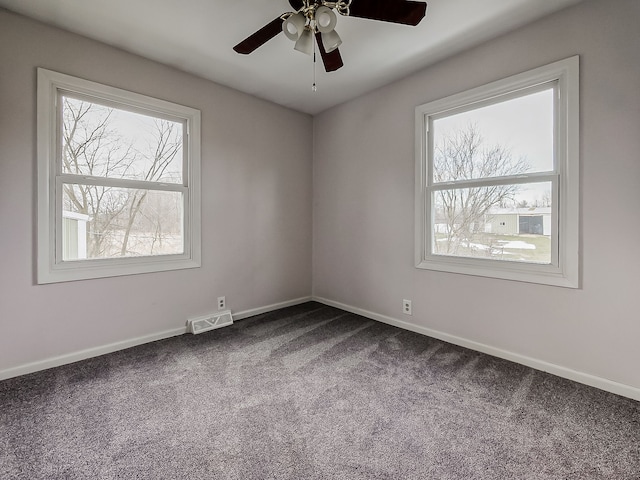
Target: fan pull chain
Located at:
point(314, 87)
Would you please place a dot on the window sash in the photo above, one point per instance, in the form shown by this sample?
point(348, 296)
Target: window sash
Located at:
point(491, 181)
point(486, 102)
point(429, 222)
point(130, 184)
point(118, 105)
point(120, 182)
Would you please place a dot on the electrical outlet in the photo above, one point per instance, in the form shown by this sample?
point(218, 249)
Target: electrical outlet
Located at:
point(222, 303)
point(406, 307)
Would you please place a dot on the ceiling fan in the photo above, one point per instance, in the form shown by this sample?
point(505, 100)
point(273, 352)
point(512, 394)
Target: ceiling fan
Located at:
point(316, 18)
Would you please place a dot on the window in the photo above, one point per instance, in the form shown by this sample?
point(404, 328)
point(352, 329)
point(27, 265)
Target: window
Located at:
point(118, 181)
point(497, 179)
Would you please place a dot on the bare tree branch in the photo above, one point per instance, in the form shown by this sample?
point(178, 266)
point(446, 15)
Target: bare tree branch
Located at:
point(464, 156)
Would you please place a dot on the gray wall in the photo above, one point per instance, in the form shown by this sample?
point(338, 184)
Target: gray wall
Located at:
point(256, 203)
point(364, 193)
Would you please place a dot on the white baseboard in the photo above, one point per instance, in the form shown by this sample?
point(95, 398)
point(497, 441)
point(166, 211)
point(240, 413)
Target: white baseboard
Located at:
point(87, 353)
point(114, 347)
point(560, 371)
point(270, 308)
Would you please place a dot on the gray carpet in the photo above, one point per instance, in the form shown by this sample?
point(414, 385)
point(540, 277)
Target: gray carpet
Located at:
point(311, 392)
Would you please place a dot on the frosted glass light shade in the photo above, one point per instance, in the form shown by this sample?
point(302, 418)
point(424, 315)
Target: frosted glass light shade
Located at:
point(305, 43)
point(325, 19)
point(331, 40)
point(293, 27)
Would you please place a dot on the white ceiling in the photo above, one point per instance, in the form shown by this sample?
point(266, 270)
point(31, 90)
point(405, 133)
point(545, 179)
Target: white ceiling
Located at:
point(197, 36)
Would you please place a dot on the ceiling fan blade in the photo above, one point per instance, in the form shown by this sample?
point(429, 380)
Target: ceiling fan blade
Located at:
point(260, 37)
point(332, 60)
point(296, 4)
point(407, 12)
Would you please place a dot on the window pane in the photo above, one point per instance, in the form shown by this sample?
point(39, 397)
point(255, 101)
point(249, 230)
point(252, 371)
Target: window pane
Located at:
point(109, 222)
point(507, 138)
point(503, 222)
point(108, 142)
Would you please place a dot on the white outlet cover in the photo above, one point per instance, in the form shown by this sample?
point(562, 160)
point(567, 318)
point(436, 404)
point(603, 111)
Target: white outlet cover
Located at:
point(406, 307)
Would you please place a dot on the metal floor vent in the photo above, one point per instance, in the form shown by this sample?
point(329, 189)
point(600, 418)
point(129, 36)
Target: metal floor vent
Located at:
point(210, 322)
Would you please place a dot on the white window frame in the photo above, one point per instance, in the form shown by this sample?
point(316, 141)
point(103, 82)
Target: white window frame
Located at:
point(564, 267)
point(50, 266)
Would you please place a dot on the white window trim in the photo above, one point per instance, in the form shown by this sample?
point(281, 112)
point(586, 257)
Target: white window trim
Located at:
point(564, 268)
point(50, 267)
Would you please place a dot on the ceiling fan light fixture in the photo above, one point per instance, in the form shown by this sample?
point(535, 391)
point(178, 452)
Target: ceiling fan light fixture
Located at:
point(315, 21)
point(293, 27)
point(331, 40)
point(325, 19)
point(305, 42)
